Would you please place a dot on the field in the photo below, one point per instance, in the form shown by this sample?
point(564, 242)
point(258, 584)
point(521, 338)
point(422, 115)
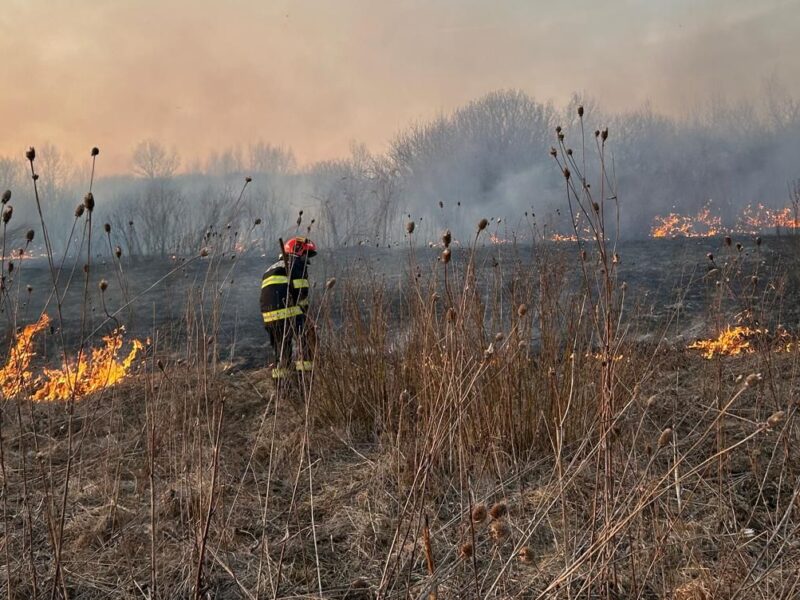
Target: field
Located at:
point(450, 443)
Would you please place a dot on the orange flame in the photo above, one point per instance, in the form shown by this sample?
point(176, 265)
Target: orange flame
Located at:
point(731, 342)
point(734, 341)
point(92, 373)
point(760, 218)
point(703, 224)
point(15, 376)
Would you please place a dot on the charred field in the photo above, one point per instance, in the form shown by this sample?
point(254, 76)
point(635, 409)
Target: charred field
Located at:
point(451, 441)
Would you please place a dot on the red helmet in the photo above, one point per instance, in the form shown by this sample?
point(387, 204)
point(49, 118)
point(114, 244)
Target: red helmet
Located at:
point(300, 246)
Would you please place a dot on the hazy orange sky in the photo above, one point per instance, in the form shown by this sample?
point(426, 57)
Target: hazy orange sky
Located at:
point(202, 74)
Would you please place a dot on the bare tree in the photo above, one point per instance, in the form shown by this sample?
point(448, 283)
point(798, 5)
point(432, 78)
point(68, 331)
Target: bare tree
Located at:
point(152, 160)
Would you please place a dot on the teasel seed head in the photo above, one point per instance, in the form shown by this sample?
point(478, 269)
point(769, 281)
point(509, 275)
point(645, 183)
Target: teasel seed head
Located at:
point(117, 251)
point(604, 134)
point(664, 438)
point(410, 227)
point(596, 133)
point(29, 287)
point(248, 179)
point(752, 379)
point(107, 227)
point(482, 224)
point(553, 152)
point(498, 510)
point(30, 154)
point(204, 252)
point(79, 211)
point(103, 285)
point(446, 255)
point(465, 550)
point(6, 196)
point(10, 266)
point(580, 111)
point(95, 151)
point(257, 221)
point(500, 531)
point(88, 201)
point(739, 246)
point(558, 129)
point(447, 238)
point(522, 310)
point(479, 513)
point(330, 283)
point(8, 211)
point(596, 207)
point(451, 314)
point(526, 555)
point(29, 236)
point(160, 364)
point(35, 177)
point(441, 204)
point(566, 173)
point(775, 419)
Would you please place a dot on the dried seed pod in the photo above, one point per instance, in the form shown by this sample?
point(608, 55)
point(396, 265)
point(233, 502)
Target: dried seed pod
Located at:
point(580, 111)
point(257, 221)
point(665, 437)
point(553, 152)
point(30, 154)
point(465, 550)
point(482, 224)
point(29, 287)
point(107, 227)
point(498, 510)
point(775, 419)
point(410, 227)
point(103, 285)
point(499, 531)
point(522, 310)
point(204, 252)
point(447, 238)
point(29, 236)
point(752, 379)
point(117, 251)
point(95, 151)
point(88, 201)
point(330, 283)
point(604, 134)
point(248, 179)
point(79, 211)
point(6, 196)
point(526, 555)
point(479, 513)
point(446, 255)
point(8, 211)
point(567, 173)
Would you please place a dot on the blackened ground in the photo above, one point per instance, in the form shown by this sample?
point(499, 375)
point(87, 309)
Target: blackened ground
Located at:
point(167, 297)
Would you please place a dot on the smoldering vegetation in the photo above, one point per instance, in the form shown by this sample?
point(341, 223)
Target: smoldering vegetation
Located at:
point(487, 158)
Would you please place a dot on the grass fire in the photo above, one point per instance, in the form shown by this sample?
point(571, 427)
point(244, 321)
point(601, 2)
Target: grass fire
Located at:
point(525, 344)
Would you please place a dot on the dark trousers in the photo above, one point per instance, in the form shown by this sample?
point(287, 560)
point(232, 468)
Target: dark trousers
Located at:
point(282, 335)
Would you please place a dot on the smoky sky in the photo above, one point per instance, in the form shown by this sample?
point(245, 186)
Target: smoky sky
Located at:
point(316, 75)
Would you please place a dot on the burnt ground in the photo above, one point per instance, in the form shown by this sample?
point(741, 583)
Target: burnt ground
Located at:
point(667, 280)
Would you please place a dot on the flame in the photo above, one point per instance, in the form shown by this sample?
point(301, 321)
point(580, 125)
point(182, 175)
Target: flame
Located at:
point(703, 224)
point(496, 239)
point(92, 372)
point(558, 237)
point(734, 341)
point(760, 218)
point(731, 342)
point(15, 376)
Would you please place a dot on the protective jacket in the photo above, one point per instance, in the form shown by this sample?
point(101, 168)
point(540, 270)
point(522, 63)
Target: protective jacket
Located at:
point(283, 295)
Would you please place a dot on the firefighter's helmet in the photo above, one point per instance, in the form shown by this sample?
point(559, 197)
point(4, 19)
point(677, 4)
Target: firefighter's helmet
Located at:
point(300, 246)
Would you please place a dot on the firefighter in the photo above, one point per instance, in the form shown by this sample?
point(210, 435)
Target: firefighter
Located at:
point(284, 302)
